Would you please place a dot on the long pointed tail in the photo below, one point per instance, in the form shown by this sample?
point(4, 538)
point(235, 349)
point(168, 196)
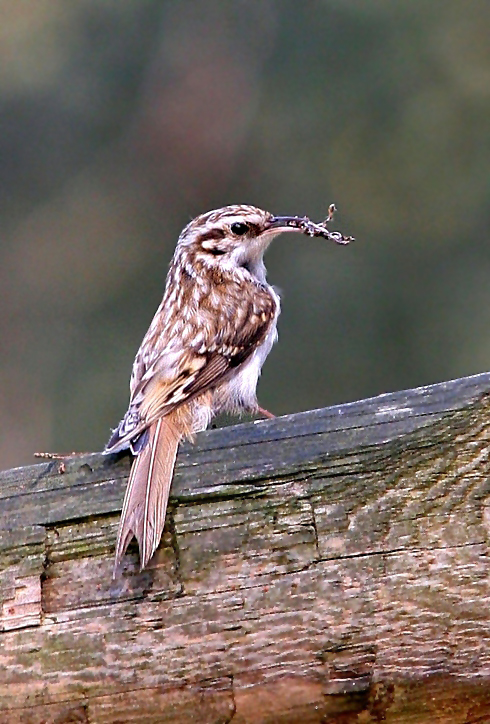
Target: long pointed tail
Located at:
point(145, 501)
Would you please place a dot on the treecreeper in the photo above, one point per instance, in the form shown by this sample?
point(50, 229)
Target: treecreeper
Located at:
point(202, 354)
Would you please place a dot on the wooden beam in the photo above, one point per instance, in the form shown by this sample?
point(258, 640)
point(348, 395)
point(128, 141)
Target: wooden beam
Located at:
point(328, 566)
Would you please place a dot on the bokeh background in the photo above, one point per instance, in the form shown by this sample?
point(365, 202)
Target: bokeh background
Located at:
point(122, 119)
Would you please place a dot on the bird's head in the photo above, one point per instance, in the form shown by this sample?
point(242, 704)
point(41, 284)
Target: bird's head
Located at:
point(238, 235)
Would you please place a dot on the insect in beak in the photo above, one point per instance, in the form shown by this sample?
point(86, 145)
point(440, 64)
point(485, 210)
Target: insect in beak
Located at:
point(310, 228)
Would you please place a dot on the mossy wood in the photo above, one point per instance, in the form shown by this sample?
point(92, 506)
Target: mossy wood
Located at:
point(329, 566)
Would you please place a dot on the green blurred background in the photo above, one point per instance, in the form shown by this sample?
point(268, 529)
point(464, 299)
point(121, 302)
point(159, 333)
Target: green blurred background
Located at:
point(122, 119)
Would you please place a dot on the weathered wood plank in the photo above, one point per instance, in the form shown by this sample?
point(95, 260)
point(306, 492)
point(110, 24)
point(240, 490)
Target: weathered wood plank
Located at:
point(326, 566)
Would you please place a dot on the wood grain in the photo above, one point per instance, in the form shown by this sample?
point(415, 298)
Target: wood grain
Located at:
point(329, 566)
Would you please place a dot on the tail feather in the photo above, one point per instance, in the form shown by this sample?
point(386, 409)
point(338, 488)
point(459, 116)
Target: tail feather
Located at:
point(145, 501)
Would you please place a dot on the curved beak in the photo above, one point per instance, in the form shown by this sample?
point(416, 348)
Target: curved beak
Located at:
point(286, 223)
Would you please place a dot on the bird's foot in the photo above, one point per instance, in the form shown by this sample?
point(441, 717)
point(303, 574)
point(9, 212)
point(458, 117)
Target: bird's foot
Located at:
point(265, 413)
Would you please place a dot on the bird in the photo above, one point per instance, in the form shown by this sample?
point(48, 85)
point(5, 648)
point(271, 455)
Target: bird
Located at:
point(202, 354)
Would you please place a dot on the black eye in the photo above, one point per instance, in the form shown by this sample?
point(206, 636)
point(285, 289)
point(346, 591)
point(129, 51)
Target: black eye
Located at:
point(239, 228)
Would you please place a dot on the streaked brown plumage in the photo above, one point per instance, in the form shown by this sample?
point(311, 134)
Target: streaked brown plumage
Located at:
point(201, 355)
